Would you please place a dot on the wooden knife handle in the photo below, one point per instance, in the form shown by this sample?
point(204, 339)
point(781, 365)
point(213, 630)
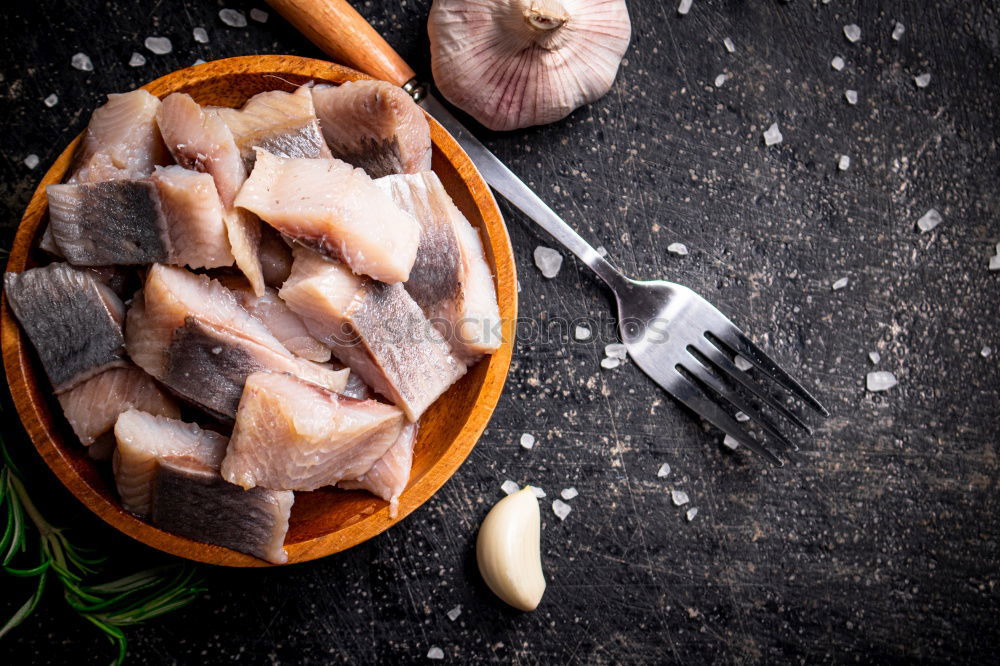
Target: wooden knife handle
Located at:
point(345, 35)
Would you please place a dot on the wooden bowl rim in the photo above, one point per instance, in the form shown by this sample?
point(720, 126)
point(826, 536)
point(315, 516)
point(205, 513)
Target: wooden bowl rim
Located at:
point(30, 392)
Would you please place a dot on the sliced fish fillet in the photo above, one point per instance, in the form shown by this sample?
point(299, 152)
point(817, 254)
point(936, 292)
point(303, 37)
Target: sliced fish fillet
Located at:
point(284, 324)
point(376, 329)
point(375, 126)
point(74, 321)
point(93, 406)
point(450, 280)
point(389, 475)
point(336, 210)
point(294, 435)
point(196, 226)
point(281, 123)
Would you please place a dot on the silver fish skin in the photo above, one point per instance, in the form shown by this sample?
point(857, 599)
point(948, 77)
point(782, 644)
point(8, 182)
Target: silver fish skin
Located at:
point(73, 321)
point(375, 126)
point(376, 329)
point(389, 475)
point(294, 435)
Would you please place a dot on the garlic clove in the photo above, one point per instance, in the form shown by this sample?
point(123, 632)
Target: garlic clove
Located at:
point(516, 63)
point(508, 550)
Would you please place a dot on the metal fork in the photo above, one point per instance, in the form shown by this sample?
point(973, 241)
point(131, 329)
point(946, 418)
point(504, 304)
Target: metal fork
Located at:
point(677, 337)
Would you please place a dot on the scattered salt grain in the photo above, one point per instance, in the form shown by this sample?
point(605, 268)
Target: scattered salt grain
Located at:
point(995, 263)
point(581, 333)
point(986, 351)
point(837, 63)
point(199, 61)
point(679, 497)
point(728, 43)
point(851, 96)
point(434, 652)
point(741, 363)
point(82, 62)
point(730, 443)
point(844, 163)
point(840, 284)
point(217, 350)
point(931, 219)
point(874, 357)
point(721, 79)
point(137, 60)
point(527, 440)
point(897, 31)
point(568, 493)
point(664, 470)
point(561, 509)
point(880, 380)
point(31, 161)
point(678, 248)
point(610, 363)
point(616, 350)
point(200, 35)
point(51, 100)
point(455, 612)
point(852, 32)
point(691, 513)
point(234, 19)
point(538, 492)
point(159, 45)
point(548, 261)
point(922, 80)
point(259, 15)
point(741, 417)
point(684, 7)
point(509, 487)
point(601, 250)
point(772, 135)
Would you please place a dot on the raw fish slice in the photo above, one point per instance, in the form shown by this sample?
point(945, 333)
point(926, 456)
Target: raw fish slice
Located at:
point(200, 140)
point(294, 435)
point(191, 500)
point(284, 324)
point(374, 328)
point(114, 222)
point(143, 439)
point(93, 406)
point(450, 280)
point(356, 388)
point(48, 243)
point(374, 125)
point(335, 209)
point(74, 321)
point(122, 140)
point(389, 475)
point(196, 227)
point(275, 257)
point(281, 123)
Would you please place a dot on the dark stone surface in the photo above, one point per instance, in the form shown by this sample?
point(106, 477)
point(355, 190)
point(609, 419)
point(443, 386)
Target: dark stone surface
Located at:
point(877, 543)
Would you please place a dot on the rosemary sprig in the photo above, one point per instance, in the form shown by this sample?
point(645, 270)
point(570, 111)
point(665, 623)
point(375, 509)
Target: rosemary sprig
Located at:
point(109, 606)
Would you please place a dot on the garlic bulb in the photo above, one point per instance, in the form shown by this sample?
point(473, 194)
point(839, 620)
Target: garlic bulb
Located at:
point(508, 550)
point(515, 63)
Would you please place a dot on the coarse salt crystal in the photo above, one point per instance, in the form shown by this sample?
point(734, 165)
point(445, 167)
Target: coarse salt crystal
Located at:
point(82, 62)
point(51, 100)
point(897, 31)
point(691, 513)
point(199, 61)
point(852, 32)
point(721, 79)
point(986, 351)
point(159, 45)
point(664, 470)
point(995, 263)
point(880, 380)
point(728, 43)
point(455, 612)
point(548, 261)
point(258, 15)
point(615, 350)
point(730, 443)
point(200, 35)
point(217, 350)
point(678, 248)
point(137, 60)
point(581, 333)
point(233, 18)
point(527, 440)
point(931, 219)
point(684, 7)
point(837, 63)
point(741, 417)
point(874, 357)
point(31, 161)
point(610, 363)
point(741, 363)
point(568, 493)
point(679, 497)
point(435, 652)
point(772, 135)
point(561, 509)
point(840, 284)
point(538, 492)
point(509, 487)
point(844, 163)
point(851, 96)
point(922, 80)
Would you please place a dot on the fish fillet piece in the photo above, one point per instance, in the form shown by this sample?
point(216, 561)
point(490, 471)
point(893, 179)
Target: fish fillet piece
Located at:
point(281, 123)
point(376, 329)
point(389, 475)
point(335, 209)
point(142, 440)
point(199, 140)
point(93, 406)
point(374, 125)
point(275, 257)
point(295, 435)
point(196, 227)
point(74, 321)
point(450, 280)
point(122, 140)
point(284, 324)
point(356, 388)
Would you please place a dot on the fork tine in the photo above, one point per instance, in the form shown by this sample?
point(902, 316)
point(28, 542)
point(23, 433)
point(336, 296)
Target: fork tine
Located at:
point(706, 375)
point(695, 399)
point(719, 359)
point(745, 347)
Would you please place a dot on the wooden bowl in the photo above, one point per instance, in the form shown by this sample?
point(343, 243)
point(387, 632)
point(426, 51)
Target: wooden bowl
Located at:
point(325, 521)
